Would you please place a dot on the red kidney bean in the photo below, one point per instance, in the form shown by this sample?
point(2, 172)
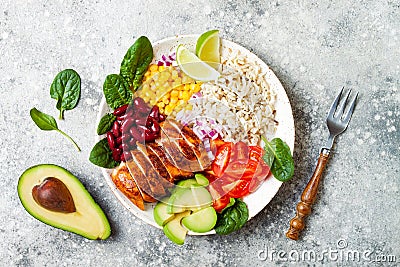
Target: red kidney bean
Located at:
point(132, 142)
point(140, 121)
point(116, 154)
point(116, 129)
point(155, 112)
point(149, 136)
point(127, 124)
point(134, 133)
point(144, 110)
point(121, 118)
point(122, 157)
point(150, 121)
point(118, 140)
point(127, 155)
point(120, 111)
point(125, 147)
point(142, 128)
point(130, 111)
point(110, 140)
point(138, 102)
point(161, 117)
point(125, 138)
point(155, 128)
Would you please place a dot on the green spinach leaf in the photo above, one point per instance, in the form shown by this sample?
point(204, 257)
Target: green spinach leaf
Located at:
point(136, 61)
point(101, 155)
point(47, 123)
point(105, 123)
point(66, 89)
point(232, 218)
point(116, 91)
point(279, 158)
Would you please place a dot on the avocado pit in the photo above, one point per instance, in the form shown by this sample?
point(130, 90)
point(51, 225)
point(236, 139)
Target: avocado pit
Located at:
point(52, 194)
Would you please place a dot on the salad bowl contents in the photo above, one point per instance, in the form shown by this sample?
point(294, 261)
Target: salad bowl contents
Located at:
point(183, 134)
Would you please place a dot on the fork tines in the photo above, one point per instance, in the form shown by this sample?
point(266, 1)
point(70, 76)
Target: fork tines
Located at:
point(339, 105)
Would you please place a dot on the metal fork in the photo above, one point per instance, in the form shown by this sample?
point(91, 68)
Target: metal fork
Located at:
point(337, 122)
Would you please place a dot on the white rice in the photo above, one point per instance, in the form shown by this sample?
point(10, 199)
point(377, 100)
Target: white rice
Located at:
point(240, 100)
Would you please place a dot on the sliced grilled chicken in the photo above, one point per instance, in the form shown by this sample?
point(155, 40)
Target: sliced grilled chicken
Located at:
point(125, 183)
point(149, 173)
point(194, 142)
point(174, 172)
point(161, 173)
point(174, 154)
point(188, 142)
point(141, 181)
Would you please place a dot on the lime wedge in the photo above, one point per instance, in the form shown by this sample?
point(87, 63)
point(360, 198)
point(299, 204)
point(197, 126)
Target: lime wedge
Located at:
point(192, 66)
point(207, 48)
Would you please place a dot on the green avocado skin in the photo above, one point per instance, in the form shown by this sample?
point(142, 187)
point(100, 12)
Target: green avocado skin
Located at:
point(89, 210)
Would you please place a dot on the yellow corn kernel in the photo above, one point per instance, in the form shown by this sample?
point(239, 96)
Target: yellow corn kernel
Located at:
point(189, 107)
point(186, 87)
point(173, 100)
point(161, 110)
point(180, 93)
point(192, 86)
point(174, 74)
point(145, 87)
point(166, 101)
point(153, 68)
point(160, 104)
point(181, 102)
point(167, 110)
point(174, 93)
point(185, 95)
point(178, 80)
point(197, 88)
point(145, 99)
point(161, 68)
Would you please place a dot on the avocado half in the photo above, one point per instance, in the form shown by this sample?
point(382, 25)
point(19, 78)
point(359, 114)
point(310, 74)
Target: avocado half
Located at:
point(88, 219)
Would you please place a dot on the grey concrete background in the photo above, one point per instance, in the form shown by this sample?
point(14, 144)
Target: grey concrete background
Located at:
point(314, 47)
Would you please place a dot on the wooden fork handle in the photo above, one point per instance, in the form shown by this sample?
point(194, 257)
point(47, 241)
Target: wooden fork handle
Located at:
point(308, 197)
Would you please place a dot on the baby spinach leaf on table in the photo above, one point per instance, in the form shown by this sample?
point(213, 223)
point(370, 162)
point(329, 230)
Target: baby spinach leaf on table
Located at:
point(47, 123)
point(105, 123)
point(66, 89)
point(233, 218)
point(136, 61)
point(278, 157)
point(116, 91)
point(101, 155)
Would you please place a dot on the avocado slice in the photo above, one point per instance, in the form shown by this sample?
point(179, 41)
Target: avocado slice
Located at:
point(201, 179)
point(160, 214)
point(192, 198)
point(188, 183)
point(174, 229)
point(81, 216)
point(201, 221)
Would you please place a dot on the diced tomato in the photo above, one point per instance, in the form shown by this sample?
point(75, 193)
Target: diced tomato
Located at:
point(255, 153)
point(221, 203)
point(220, 198)
point(215, 144)
point(240, 189)
point(235, 169)
point(259, 176)
point(222, 159)
point(240, 152)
